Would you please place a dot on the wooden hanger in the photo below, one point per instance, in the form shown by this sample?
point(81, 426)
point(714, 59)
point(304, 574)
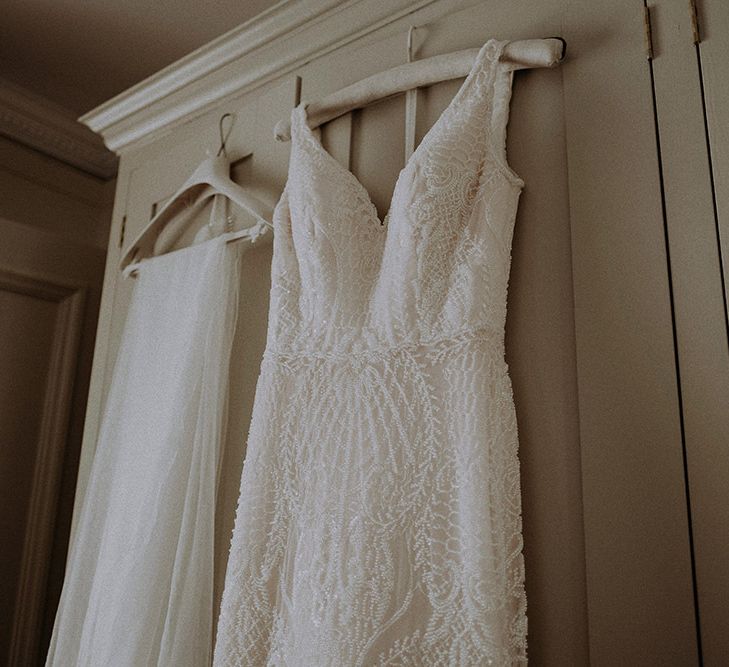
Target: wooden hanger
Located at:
point(212, 177)
point(521, 54)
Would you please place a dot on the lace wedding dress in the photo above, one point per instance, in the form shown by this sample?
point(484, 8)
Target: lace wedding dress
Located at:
point(379, 515)
point(138, 590)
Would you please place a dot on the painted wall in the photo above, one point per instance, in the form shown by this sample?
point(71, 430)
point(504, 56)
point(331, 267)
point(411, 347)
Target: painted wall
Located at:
point(54, 226)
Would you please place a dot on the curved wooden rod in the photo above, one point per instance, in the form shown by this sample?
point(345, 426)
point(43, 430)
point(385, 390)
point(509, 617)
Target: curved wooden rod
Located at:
point(521, 54)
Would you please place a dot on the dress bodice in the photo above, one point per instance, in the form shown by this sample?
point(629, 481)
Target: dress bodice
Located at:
point(345, 282)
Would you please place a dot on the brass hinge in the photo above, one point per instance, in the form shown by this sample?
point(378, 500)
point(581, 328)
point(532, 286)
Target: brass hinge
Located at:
point(647, 35)
point(695, 34)
point(122, 230)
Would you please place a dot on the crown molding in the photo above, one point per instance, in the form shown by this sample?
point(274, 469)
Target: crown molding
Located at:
point(268, 46)
point(35, 121)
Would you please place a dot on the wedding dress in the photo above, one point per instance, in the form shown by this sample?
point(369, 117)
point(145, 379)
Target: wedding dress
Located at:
point(138, 590)
point(379, 519)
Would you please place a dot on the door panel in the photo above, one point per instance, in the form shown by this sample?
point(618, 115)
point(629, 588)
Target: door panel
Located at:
point(694, 159)
point(640, 598)
point(49, 291)
point(26, 334)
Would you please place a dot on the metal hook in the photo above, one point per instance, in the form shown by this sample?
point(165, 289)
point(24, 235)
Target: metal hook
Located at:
point(411, 30)
point(411, 102)
point(224, 138)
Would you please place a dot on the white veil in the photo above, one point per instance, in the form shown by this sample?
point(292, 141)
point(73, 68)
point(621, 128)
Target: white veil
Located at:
point(139, 581)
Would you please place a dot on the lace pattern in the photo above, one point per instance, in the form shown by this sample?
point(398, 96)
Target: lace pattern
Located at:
point(379, 520)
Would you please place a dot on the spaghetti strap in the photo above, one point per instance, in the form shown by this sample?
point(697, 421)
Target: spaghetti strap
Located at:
point(503, 78)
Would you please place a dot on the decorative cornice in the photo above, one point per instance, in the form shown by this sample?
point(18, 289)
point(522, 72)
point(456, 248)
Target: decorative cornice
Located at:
point(34, 121)
point(270, 45)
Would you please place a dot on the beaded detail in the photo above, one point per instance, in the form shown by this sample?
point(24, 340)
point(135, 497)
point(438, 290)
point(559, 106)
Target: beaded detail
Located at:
point(379, 520)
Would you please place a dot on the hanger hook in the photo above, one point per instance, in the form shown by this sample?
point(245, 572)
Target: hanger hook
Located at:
point(224, 137)
point(411, 30)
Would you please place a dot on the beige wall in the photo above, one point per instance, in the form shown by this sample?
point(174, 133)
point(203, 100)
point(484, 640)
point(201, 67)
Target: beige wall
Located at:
point(54, 226)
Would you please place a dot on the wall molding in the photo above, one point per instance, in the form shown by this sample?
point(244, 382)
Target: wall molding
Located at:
point(58, 399)
point(35, 121)
point(268, 46)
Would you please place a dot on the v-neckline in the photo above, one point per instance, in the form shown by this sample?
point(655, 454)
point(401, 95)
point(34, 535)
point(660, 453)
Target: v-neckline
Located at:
point(427, 137)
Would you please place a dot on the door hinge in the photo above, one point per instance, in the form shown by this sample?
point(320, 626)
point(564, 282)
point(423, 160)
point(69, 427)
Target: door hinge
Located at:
point(647, 34)
point(122, 231)
point(695, 33)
